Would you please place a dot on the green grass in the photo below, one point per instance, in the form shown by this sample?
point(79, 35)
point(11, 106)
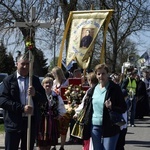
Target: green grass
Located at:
point(1, 127)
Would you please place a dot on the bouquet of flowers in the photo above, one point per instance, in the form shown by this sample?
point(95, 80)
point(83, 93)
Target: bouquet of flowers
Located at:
point(74, 95)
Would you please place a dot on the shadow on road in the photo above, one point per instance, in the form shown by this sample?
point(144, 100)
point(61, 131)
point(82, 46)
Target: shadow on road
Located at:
point(139, 143)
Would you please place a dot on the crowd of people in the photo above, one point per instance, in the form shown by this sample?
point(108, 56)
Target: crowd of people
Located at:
point(128, 95)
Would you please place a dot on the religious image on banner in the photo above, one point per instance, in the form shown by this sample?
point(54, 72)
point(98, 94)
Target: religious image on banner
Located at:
point(81, 43)
point(144, 59)
point(86, 37)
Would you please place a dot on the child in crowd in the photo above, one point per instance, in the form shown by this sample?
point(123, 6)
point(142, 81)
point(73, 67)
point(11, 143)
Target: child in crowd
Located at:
point(123, 131)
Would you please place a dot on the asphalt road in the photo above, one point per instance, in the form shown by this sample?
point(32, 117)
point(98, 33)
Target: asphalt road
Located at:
point(137, 138)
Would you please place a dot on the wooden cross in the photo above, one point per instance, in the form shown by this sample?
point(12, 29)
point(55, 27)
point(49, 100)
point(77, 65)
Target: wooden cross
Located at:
point(32, 25)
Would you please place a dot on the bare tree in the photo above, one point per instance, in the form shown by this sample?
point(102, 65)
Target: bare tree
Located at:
point(67, 7)
point(129, 18)
point(19, 11)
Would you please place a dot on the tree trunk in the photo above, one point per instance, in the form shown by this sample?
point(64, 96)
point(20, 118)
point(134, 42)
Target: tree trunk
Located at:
point(66, 8)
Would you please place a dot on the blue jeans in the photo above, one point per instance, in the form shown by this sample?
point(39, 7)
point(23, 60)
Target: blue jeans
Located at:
point(132, 110)
point(100, 143)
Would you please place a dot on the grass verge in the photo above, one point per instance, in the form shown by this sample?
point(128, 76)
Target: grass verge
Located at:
point(1, 127)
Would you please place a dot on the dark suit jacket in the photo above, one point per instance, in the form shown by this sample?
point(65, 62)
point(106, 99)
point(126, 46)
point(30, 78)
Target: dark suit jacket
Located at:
point(10, 102)
point(86, 41)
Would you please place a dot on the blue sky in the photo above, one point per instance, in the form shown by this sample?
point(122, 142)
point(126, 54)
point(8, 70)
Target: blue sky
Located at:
point(143, 41)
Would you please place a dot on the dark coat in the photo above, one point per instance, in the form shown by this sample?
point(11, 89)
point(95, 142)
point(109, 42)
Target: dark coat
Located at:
point(86, 41)
point(142, 99)
point(118, 104)
point(10, 102)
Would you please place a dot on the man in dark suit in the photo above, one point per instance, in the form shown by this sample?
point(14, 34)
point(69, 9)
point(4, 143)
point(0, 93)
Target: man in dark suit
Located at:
point(86, 40)
point(14, 101)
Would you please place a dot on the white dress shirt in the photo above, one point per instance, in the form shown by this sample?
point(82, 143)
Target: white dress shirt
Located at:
point(23, 83)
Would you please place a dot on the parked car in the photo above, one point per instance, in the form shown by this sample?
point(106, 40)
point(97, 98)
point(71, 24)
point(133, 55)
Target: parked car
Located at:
point(41, 78)
point(1, 113)
point(1, 109)
point(2, 76)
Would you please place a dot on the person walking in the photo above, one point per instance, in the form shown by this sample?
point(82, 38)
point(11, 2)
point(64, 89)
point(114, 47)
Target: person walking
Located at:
point(146, 79)
point(130, 85)
point(14, 101)
point(61, 81)
point(104, 97)
point(142, 106)
point(123, 129)
point(92, 80)
point(51, 112)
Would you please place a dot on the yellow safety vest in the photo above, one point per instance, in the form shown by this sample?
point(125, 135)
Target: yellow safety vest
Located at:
point(131, 86)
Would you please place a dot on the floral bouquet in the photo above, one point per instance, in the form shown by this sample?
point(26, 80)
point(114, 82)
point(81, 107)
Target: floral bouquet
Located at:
point(74, 95)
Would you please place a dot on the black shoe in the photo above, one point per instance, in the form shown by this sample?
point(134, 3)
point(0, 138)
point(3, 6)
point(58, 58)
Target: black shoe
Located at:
point(54, 148)
point(71, 141)
point(77, 141)
point(140, 117)
point(61, 148)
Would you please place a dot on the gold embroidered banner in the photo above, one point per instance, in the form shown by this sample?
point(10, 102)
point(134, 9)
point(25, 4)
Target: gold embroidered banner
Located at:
point(84, 27)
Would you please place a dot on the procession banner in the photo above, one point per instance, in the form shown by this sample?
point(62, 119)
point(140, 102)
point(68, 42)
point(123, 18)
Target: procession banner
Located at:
point(144, 59)
point(84, 27)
